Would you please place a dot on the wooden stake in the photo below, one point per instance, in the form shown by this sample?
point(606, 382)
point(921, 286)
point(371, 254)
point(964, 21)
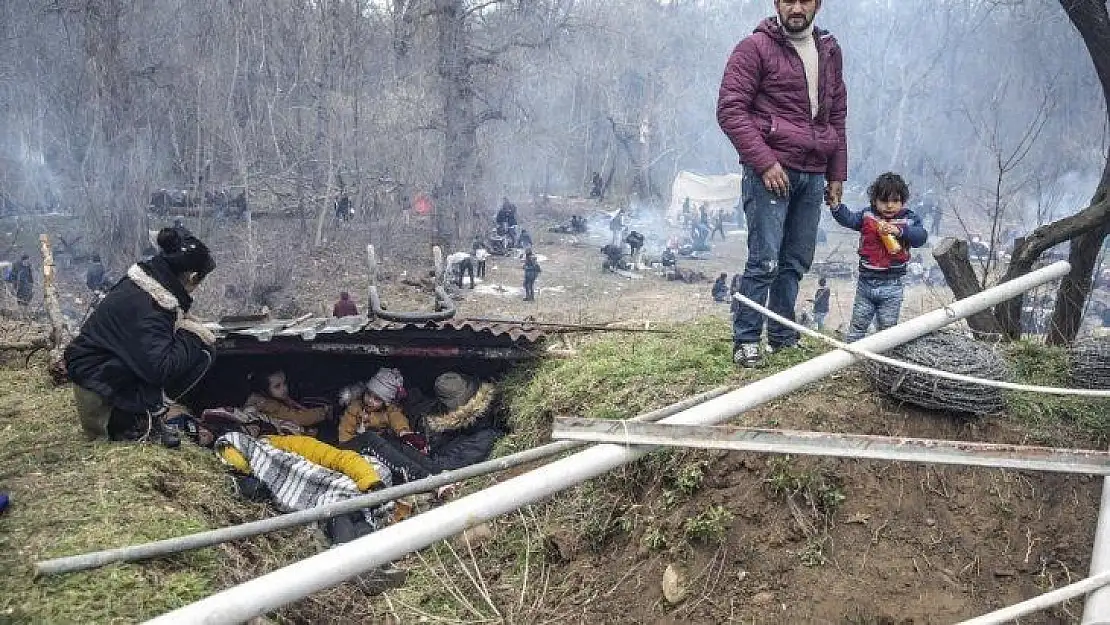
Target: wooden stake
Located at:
point(59, 336)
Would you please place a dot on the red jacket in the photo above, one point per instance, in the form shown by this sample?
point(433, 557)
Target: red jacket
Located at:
point(874, 259)
point(344, 308)
point(764, 108)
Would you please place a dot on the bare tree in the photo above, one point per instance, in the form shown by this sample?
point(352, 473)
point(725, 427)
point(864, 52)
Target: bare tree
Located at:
point(1086, 229)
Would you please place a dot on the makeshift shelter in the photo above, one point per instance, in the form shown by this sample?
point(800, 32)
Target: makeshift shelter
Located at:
point(323, 355)
point(720, 192)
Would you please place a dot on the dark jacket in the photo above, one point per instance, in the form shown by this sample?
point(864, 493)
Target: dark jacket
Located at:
point(531, 270)
point(94, 277)
point(23, 278)
point(506, 216)
point(720, 290)
point(874, 259)
point(138, 341)
point(821, 300)
point(763, 105)
point(635, 240)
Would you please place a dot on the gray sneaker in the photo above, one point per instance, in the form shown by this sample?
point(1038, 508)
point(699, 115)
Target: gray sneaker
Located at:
point(748, 355)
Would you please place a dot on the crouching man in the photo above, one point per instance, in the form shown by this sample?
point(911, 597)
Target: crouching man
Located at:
point(140, 344)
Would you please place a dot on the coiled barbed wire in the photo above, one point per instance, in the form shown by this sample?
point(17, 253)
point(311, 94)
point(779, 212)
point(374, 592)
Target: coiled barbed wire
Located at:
point(1090, 363)
point(948, 351)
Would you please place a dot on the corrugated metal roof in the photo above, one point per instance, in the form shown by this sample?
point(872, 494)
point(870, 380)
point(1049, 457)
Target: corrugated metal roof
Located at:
point(361, 327)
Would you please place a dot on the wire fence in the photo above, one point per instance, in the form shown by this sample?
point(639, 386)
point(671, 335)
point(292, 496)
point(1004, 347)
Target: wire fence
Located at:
point(1090, 363)
point(947, 351)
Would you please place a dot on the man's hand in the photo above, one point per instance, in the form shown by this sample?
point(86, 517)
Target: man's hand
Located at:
point(776, 180)
point(834, 193)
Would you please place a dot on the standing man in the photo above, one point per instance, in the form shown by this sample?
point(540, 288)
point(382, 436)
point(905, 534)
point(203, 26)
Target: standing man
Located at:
point(821, 304)
point(783, 104)
point(23, 281)
point(718, 225)
point(531, 272)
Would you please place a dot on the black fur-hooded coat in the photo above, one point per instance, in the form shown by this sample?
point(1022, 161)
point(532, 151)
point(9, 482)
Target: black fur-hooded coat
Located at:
point(140, 341)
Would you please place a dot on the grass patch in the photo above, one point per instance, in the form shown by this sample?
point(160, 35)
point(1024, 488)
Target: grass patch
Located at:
point(71, 496)
point(1049, 415)
point(618, 376)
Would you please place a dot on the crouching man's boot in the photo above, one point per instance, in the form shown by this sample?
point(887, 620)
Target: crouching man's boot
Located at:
point(163, 432)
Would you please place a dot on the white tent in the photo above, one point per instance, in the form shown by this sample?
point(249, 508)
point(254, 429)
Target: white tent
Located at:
point(720, 192)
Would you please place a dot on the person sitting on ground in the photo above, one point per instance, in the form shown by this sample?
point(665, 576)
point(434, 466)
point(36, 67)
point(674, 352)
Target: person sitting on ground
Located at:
point(578, 224)
point(270, 396)
point(345, 307)
point(458, 264)
point(887, 230)
point(374, 424)
point(140, 344)
point(614, 258)
point(94, 275)
point(376, 410)
point(720, 288)
point(461, 425)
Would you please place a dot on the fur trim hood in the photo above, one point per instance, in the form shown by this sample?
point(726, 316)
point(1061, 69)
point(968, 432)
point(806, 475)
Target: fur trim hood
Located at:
point(152, 287)
point(170, 303)
point(466, 415)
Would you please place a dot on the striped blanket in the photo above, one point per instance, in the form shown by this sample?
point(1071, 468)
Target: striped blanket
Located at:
point(298, 484)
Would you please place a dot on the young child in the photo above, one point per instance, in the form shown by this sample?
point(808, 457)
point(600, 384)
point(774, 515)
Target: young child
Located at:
point(531, 272)
point(270, 396)
point(376, 412)
point(887, 231)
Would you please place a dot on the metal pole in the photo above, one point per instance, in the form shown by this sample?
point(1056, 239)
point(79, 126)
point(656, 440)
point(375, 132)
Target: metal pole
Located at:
point(210, 538)
point(1097, 609)
point(330, 568)
point(864, 446)
point(1040, 602)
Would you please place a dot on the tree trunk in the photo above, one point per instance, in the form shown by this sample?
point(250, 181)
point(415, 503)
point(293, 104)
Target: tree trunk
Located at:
point(1092, 20)
point(460, 152)
point(952, 258)
point(1067, 315)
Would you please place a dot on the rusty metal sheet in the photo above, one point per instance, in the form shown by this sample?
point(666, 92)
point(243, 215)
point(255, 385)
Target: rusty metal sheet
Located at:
point(360, 328)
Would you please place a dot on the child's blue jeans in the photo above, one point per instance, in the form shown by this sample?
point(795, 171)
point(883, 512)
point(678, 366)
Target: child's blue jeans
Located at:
point(878, 299)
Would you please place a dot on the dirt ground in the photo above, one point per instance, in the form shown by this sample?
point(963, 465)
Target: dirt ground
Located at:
point(572, 288)
point(906, 544)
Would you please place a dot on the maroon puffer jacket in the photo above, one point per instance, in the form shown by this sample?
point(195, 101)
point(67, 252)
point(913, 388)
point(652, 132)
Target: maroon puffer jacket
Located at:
point(764, 109)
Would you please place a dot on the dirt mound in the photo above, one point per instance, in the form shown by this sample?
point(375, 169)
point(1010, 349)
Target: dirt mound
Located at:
point(803, 540)
point(772, 539)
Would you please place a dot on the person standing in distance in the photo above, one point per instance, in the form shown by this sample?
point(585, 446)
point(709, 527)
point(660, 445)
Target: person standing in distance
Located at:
point(783, 104)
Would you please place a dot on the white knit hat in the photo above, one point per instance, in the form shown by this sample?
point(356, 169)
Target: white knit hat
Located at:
point(387, 384)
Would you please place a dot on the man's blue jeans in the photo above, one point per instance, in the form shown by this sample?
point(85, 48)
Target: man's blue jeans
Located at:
point(876, 298)
point(782, 235)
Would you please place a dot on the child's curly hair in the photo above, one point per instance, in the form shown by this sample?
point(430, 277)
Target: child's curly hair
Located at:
point(888, 187)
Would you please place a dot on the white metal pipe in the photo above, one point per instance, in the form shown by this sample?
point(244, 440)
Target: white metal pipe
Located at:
point(332, 567)
point(1041, 602)
point(1097, 609)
